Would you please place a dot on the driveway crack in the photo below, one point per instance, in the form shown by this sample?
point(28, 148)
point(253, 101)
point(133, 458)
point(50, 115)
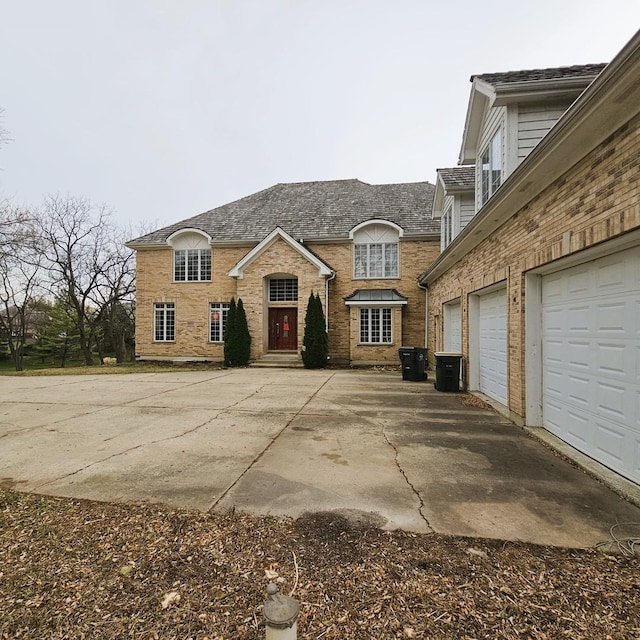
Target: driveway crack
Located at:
point(270, 444)
point(406, 477)
point(150, 442)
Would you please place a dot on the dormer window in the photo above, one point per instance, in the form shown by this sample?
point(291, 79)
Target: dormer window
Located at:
point(375, 250)
point(491, 166)
point(191, 256)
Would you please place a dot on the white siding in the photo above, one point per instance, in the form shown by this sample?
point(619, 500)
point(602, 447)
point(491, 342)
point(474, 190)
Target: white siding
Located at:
point(533, 124)
point(467, 210)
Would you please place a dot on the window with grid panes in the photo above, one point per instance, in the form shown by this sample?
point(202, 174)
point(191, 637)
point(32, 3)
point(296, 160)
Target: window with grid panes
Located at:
point(217, 320)
point(376, 260)
point(375, 325)
point(164, 321)
point(283, 290)
point(192, 265)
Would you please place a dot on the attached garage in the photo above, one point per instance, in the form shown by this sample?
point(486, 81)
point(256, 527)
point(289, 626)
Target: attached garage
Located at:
point(591, 359)
point(492, 344)
point(452, 315)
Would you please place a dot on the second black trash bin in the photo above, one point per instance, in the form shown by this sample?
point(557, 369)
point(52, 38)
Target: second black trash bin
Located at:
point(447, 371)
point(413, 362)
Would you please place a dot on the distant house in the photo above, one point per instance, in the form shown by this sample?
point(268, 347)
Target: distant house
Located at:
point(359, 246)
point(540, 288)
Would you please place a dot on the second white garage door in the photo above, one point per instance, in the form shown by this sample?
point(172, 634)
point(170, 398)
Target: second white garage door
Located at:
point(591, 359)
point(492, 317)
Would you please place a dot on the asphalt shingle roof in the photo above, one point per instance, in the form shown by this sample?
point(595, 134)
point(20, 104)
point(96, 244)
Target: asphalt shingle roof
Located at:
point(576, 71)
point(458, 177)
point(527, 75)
point(312, 210)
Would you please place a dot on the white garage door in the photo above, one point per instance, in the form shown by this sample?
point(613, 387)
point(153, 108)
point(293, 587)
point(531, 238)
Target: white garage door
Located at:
point(493, 345)
point(591, 359)
point(452, 327)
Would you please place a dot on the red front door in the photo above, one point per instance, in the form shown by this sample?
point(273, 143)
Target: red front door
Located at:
point(283, 329)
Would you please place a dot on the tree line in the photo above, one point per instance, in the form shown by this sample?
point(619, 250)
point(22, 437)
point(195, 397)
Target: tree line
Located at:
point(67, 283)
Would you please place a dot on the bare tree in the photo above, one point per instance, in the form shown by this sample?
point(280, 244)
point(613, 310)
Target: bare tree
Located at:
point(90, 270)
point(20, 282)
point(115, 297)
point(4, 134)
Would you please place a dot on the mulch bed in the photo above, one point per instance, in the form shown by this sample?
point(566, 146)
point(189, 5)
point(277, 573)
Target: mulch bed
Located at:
point(77, 569)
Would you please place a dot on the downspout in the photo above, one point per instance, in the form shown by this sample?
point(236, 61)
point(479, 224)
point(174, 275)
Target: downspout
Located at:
point(426, 316)
point(326, 300)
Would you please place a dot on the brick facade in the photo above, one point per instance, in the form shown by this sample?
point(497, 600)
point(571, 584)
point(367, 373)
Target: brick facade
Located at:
point(596, 200)
point(192, 299)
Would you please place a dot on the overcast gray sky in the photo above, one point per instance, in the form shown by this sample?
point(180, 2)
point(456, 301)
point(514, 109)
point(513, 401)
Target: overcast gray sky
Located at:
point(163, 109)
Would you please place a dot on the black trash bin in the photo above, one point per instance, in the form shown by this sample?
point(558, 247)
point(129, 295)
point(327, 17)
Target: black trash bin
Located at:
point(413, 363)
point(448, 371)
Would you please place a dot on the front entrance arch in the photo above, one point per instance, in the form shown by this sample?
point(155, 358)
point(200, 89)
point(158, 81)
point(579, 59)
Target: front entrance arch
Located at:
point(282, 312)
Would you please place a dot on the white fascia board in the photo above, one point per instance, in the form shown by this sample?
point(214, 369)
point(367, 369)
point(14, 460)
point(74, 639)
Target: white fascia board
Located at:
point(541, 90)
point(438, 198)
point(611, 100)
point(238, 270)
point(481, 98)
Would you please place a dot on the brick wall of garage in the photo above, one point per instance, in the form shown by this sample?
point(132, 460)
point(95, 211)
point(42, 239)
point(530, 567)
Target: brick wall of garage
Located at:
point(596, 200)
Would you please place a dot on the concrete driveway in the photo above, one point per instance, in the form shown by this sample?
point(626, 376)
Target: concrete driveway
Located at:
point(284, 441)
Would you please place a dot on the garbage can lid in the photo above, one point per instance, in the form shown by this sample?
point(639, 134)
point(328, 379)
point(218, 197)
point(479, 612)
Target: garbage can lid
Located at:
point(448, 353)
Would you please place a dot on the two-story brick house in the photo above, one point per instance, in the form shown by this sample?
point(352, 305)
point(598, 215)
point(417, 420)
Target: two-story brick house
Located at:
point(359, 246)
point(540, 288)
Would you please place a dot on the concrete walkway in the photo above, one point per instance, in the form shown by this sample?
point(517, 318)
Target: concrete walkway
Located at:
point(283, 441)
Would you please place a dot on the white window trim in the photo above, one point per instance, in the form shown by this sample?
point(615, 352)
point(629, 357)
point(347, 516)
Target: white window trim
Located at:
point(186, 265)
point(493, 164)
point(165, 307)
point(380, 310)
point(447, 227)
point(222, 307)
point(384, 245)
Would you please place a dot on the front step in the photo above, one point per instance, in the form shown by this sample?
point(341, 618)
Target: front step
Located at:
point(279, 359)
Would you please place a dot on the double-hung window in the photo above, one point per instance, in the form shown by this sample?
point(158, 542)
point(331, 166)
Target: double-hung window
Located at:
point(192, 265)
point(375, 325)
point(164, 322)
point(491, 166)
point(376, 260)
point(218, 320)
